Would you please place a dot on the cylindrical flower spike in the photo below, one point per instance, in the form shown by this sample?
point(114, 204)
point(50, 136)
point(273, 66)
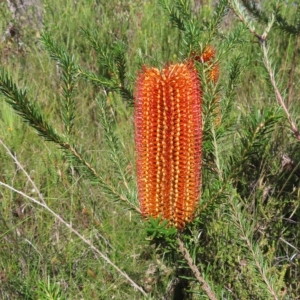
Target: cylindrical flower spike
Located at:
point(168, 138)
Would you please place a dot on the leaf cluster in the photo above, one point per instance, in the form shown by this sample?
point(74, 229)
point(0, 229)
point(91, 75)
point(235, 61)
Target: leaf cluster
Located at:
point(112, 66)
point(283, 22)
point(194, 30)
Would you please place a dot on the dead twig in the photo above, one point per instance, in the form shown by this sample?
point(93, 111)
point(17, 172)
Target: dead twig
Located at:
point(262, 41)
point(195, 270)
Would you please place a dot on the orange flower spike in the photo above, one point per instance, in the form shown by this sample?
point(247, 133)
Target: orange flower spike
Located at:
point(208, 53)
point(168, 138)
point(214, 73)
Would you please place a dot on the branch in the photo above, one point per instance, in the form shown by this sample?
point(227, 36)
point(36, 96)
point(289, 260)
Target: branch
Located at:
point(246, 235)
point(277, 92)
point(238, 11)
point(195, 270)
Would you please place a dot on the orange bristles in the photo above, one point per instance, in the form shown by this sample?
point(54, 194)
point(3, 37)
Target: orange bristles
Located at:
point(207, 55)
point(168, 138)
point(214, 73)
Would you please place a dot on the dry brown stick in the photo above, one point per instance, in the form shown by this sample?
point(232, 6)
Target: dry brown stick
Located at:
point(262, 40)
point(276, 90)
point(85, 240)
point(195, 270)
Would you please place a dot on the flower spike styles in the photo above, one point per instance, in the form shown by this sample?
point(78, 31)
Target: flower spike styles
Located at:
point(207, 55)
point(168, 138)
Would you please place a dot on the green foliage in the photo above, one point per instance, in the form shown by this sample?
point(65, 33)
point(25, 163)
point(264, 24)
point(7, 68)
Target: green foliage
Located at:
point(49, 291)
point(112, 65)
point(68, 77)
point(193, 30)
point(158, 230)
point(244, 240)
point(19, 101)
point(254, 137)
point(285, 22)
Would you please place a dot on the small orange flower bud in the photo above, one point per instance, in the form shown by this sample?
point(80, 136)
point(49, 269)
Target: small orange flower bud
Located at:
point(213, 74)
point(168, 138)
point(207, 55)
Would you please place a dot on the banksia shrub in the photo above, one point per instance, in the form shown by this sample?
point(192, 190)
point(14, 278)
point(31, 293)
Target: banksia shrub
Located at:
point(168, 138)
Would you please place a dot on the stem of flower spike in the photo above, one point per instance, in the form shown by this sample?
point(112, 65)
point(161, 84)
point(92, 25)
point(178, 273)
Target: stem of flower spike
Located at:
point(195, 270)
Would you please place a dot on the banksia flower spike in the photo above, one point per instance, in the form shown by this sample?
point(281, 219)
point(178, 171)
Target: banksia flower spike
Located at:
point(168, 138)
point(213, 74)
point(207, 56)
